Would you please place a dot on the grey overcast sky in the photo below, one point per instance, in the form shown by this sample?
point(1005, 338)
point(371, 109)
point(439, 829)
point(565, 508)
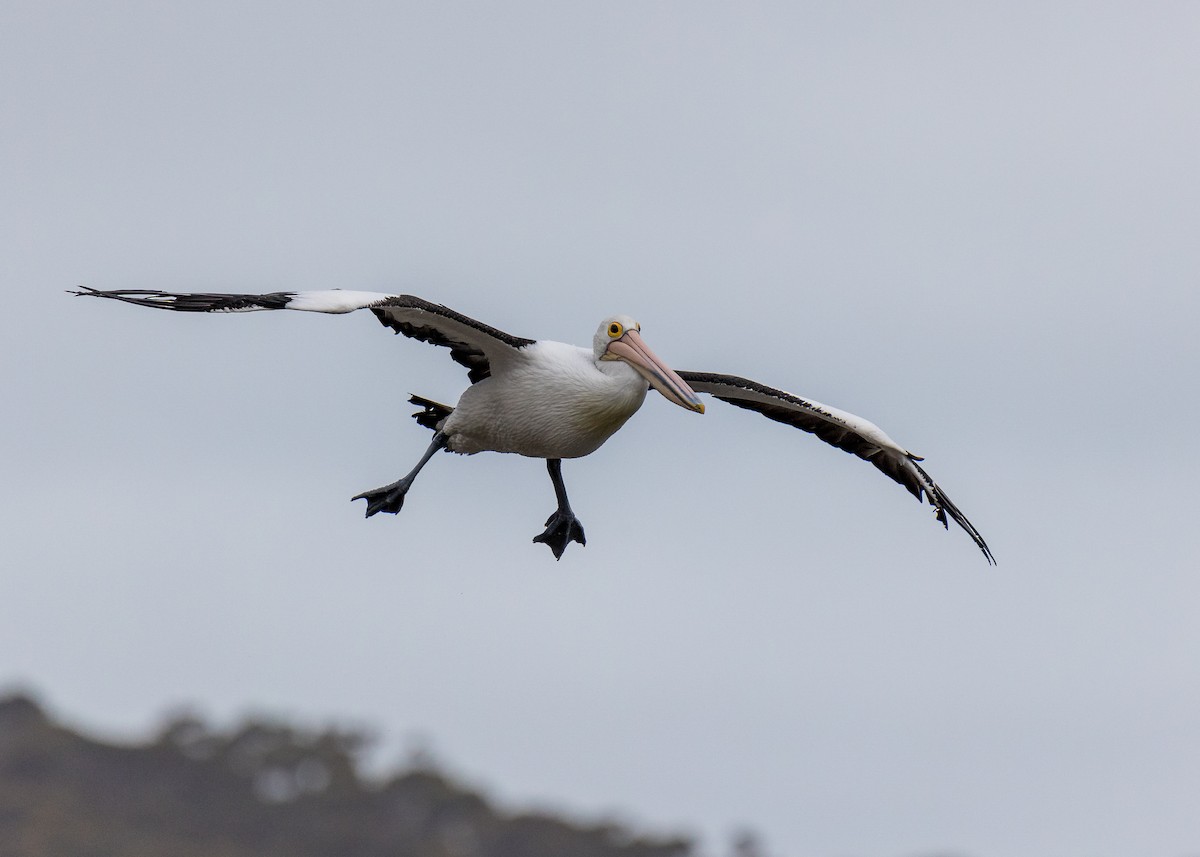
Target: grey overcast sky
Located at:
point(974, 224)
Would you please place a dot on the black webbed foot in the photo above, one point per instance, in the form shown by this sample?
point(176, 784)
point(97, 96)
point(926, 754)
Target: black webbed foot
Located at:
point(389, 498)
point(562, 528)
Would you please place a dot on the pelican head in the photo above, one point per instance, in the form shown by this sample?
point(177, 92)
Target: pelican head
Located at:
point(619, 338)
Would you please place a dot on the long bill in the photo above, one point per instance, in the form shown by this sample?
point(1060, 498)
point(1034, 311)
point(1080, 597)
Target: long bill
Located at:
point(662, 377)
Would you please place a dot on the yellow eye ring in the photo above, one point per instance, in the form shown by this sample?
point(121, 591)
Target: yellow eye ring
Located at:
point(615, 330)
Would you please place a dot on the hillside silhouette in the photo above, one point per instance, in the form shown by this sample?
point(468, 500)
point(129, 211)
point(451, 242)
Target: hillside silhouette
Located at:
point(261, 789)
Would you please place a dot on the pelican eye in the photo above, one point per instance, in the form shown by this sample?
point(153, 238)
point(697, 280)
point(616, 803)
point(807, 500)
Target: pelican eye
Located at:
point(615, 330)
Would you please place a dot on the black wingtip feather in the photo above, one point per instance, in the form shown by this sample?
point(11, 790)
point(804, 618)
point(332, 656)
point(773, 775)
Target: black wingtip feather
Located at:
point(944, 507)
point(192, 302)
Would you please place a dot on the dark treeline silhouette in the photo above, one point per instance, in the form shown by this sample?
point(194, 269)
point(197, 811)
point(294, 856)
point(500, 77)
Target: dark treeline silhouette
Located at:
point(262, 789)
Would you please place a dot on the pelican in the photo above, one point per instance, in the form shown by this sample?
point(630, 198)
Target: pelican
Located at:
point(550, 400)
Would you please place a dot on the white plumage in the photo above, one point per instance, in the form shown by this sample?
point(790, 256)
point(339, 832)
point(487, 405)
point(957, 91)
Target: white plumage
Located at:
point(553, 401)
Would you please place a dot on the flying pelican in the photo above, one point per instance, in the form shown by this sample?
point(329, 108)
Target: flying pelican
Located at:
point(549, 400)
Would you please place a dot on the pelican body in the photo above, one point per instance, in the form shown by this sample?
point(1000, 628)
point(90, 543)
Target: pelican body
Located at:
point(560, 401)
point(553, 401)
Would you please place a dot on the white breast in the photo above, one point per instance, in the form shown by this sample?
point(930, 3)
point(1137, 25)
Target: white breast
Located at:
point(554, 401)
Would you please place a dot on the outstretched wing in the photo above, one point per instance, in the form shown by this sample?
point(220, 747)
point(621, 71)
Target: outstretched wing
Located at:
point(472, 343)
point(838, 428)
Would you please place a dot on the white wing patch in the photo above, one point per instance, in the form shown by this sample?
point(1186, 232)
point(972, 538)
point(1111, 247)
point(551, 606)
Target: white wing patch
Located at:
point(335, 300)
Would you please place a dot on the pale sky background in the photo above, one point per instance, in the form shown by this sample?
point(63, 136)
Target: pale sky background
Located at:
point(977, 227)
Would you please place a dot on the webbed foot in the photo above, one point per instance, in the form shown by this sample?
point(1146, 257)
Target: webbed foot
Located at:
point(562, 528)
point(389, 498)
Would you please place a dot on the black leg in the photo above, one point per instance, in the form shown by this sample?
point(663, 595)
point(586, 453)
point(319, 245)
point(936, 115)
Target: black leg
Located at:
point(562, 527)
point(390, 498)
